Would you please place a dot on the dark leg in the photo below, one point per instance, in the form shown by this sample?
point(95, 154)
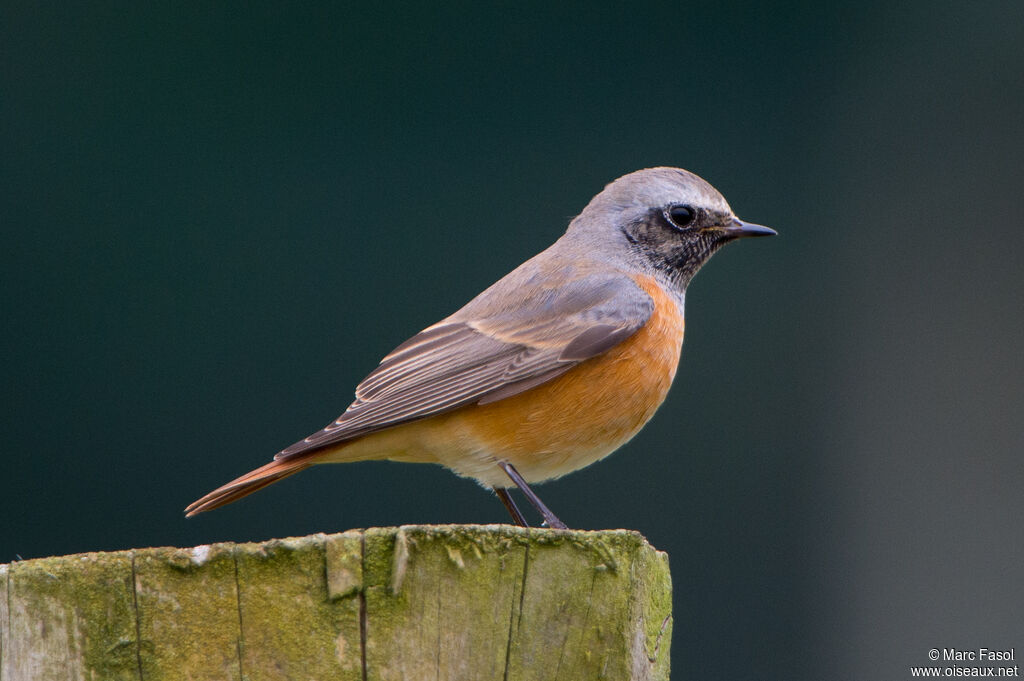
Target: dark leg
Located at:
point(549, 518)
point(510, 505)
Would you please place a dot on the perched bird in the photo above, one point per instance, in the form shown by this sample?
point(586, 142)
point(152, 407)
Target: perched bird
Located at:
point(553, 367)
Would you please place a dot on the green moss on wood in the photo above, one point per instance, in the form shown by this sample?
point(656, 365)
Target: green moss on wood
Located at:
point(188, 597)
point(290, 627)
point(344, 556)
point(439, 600)
point(453, 602)
point(72, 617)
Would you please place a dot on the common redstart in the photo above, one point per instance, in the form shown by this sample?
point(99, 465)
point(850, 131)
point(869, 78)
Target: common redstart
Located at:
point(555, 366)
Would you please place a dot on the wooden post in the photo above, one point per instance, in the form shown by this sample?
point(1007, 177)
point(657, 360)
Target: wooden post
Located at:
point(417, 602)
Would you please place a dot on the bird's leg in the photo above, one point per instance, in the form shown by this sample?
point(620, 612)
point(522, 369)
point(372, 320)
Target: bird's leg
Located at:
point(510, 506)
point(550, 519)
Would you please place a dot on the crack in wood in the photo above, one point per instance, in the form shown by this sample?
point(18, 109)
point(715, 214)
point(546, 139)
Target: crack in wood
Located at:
point(437, 637)
point(661, 635)
point(238, 603)
point(514, 621)
point(138, 623)
point(362, 604)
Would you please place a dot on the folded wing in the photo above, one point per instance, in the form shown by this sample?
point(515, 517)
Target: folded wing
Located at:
point(473, 358)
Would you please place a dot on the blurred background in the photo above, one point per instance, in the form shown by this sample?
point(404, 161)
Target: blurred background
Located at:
point(217, 220)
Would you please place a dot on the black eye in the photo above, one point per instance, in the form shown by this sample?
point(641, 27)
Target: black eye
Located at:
point(681, 216)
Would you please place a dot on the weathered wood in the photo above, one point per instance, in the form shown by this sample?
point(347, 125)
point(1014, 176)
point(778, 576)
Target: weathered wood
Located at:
point(71, 617)
point(188, 597)
point(415, 602)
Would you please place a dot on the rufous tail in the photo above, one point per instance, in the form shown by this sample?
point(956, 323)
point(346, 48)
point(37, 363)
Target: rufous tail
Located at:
point(247, 484)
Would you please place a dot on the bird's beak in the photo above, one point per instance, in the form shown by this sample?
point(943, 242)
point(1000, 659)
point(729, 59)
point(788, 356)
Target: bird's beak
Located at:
point(737, 228)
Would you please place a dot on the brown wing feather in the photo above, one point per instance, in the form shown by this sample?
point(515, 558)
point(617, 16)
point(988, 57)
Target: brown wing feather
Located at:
point(461, 361)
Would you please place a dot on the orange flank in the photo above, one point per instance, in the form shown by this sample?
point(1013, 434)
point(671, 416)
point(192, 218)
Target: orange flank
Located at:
point(584, 414)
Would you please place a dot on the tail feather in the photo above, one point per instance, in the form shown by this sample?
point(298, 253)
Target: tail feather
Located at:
point(247, 484)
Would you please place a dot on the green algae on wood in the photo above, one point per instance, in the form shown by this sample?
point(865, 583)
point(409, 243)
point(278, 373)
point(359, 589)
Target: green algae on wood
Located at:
point(439, 601)
point(71, 618)
point(453, 602)
point(188, 597)
point(290, 626)
point(581, 613)
point(652, 613)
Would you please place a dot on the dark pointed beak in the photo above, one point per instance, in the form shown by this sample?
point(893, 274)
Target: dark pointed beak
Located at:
point(738, 229)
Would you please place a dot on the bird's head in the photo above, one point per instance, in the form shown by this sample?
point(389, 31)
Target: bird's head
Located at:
point(668, 219)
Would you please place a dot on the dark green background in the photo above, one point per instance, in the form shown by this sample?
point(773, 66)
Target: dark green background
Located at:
point(216, 220)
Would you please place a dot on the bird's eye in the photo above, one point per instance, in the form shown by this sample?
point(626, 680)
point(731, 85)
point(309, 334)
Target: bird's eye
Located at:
point(681, 216)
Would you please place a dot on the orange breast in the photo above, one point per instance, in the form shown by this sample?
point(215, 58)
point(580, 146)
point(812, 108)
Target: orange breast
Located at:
point(584, 414)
